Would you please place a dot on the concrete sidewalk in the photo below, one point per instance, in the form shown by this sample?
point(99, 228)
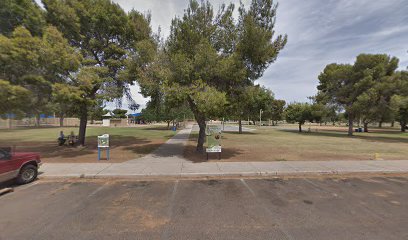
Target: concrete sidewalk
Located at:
point(168, 161)
point(221, 169)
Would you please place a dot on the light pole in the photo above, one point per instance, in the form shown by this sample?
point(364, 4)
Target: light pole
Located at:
point(260, 117)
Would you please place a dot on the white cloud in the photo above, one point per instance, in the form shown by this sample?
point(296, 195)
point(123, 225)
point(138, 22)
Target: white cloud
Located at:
point(320, 32)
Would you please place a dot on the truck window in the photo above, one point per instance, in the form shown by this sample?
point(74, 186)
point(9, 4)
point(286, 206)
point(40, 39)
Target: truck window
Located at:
point(5, 153)
point(2, 155)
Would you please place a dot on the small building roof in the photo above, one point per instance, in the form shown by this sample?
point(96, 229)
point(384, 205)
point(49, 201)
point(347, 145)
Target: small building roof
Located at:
point(135, 114)
point(107, 115)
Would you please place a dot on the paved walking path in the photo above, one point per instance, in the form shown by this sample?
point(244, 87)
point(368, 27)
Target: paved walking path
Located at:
point(168, 161)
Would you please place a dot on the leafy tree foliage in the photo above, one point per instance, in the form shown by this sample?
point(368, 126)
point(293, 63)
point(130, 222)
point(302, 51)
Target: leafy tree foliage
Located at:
point(36, 64)
point(25, 13)
point(97, 112)
point(166, 112)
point(250, 102)
point(212, 58)
point(115, 46)
point(399, 101)
point(119, 113)
point(298, 113)
point(13, 98)
point(277, 110)
point(362, 89)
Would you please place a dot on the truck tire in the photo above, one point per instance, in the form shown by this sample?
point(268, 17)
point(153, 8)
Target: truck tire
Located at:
point(27, 174)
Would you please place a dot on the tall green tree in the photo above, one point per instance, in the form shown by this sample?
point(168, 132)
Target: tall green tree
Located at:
point(13, 98)
point(298, 113)
point(277, 111)
point(119, 113)
point(21, 13)
point(318, 112)
point(249, 103)
point(376, 70)
point(337, 87)
point(259, 99)
point(36, 64)
point(399, 101)
point(361, 89)
point(115, 45)
point(212, 58)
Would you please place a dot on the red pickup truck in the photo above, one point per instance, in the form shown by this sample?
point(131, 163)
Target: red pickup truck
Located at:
point(18, 165)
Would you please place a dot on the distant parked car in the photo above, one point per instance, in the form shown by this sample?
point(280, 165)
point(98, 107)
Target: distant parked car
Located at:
point(22, 166)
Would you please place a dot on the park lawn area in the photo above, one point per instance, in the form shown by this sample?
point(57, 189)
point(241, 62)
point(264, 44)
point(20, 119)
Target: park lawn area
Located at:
point(126, 142)
point(284, 143)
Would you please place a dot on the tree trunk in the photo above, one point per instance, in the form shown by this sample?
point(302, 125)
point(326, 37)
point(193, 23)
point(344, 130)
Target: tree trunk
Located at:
point(37, 120)
point(300, 127)
point(350, 126)
point(380, 124)
point(403, 126)
point(61, 121)
point(201, 135)
point(200, 118)
point(392, 124)
point(365, 127)
point(9, 123)
point(240, 126)
point(82, 125)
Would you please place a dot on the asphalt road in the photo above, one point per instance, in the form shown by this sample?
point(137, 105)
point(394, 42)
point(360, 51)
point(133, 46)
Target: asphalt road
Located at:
point(367, 208)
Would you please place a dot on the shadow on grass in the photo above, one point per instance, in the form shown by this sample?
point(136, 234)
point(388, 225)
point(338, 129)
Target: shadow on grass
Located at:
point(192, 155)
point(26, 128)
point(143, 148)
point(50, 149)
point(157, 128)
point(243, 133)
point(342, 134)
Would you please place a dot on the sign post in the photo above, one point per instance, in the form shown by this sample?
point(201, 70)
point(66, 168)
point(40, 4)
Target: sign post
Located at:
point(214, 140)
point(103, 143)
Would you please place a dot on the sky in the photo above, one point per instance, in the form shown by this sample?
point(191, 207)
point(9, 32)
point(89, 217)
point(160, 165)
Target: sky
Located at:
point(319, 32)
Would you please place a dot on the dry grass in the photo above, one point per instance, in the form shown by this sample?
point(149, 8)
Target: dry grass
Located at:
point(126, 143)
point(284, 143)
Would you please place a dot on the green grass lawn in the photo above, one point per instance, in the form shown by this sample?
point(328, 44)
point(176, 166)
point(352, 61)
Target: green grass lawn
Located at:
point(284, 143)
point(126, 143)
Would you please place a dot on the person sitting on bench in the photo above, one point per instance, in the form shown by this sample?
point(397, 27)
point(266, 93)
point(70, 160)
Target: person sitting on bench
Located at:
point(61, 138)
point(72, 139)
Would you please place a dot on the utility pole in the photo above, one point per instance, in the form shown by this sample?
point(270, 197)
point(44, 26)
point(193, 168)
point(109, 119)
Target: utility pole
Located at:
point(260, 117)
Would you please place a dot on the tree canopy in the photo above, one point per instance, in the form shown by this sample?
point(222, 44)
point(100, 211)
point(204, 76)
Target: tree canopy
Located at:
point(363, 89)
point(36, 64)
point(115, 46)
point(399, 102)
point(298, 113)
point(211, 58)
point(17, 13)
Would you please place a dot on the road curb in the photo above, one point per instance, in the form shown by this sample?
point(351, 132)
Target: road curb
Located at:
point(187, 176)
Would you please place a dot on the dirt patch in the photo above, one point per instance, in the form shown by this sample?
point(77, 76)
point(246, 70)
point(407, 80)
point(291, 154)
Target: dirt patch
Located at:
point(125, 143)
point(120, 152)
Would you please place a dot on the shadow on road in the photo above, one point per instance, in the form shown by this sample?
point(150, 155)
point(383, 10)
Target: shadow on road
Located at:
point(342, 134)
